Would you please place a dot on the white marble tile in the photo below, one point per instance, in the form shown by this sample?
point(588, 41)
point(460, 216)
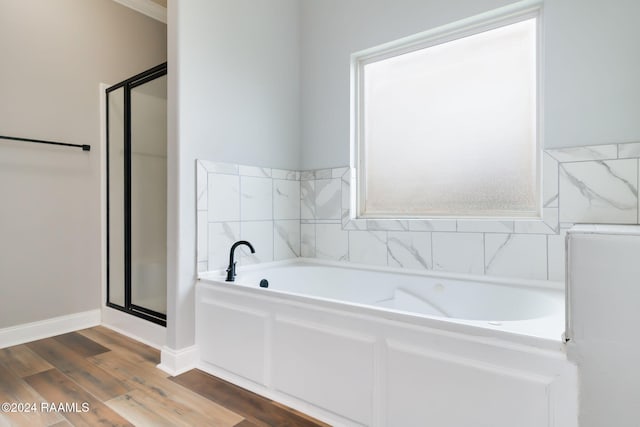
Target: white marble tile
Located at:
point(432, 225)
point(308, 240)
point(458, 252)
point(547, 225)
point(202, 182)
point(286, 199)
point(347, 222)
point(328, 198)
point(223, 197)
point(202, 236)
point(549, 181)
point(368, 247)
point(332, 242)
point(346, 218)
point(345, 183)
point(516, 255)
point(286, 239)
point(285, 174)
point(556, 255)
point(254, 171)
point(219, 167)
point(488, 226)
point(260, 235)
point(203, 266)
point(629, 150)
point(599, 192)
point(352, 224)
point(221, 236)
point(410, 249)
point(307, 175)
point(256, 202)
point(339, 172)
point(551, 218)
point(387, 225)
point(585, 153)
point(307, 199)
point(322, 174)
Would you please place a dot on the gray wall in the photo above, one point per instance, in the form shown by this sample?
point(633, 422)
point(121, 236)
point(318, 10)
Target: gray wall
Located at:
point(54, 55)
point(239, 91)
point(591, 64)
point(233, 96)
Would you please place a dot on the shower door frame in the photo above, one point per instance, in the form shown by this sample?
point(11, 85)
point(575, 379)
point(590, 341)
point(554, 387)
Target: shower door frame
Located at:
point(128, 85)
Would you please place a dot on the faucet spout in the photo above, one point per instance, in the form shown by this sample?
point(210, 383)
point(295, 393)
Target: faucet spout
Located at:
point(231, 270)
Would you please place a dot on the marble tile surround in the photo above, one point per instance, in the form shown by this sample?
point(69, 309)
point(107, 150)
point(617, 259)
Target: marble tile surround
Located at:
point(306, 213)
point(237, 202)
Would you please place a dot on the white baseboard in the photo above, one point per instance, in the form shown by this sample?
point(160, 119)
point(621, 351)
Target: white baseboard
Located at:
point(33, 331)
point(176, 362)
point(134, 327)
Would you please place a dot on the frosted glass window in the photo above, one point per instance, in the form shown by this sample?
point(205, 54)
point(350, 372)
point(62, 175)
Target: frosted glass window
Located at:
point(451, 129)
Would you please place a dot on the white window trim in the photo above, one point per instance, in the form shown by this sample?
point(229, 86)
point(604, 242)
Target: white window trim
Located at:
point(493, 19)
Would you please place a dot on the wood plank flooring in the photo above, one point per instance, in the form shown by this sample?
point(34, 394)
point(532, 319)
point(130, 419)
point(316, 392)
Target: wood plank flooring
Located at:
point(102, 378)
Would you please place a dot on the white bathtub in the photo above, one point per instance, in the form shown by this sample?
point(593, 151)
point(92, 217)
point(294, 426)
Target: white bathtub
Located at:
point(531, 308)
point(387, 347)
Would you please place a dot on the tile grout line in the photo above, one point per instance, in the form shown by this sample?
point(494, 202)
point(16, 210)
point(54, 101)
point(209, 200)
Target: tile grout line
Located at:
point(433, 265)
point(386, 245)
point(484, 254)
point(548, 278)
point(273, 222)
point(299, 219)
point(558, 188)
point(312, 184)
point(208, 251)
point(240, 227)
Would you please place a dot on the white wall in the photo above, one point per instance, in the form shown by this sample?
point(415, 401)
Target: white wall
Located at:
point(233, 96)
point(239, 97)
point(604, 319)
point(591, 64)
point(54, 55)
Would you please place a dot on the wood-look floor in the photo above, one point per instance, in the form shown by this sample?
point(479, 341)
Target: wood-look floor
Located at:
point(116, 380)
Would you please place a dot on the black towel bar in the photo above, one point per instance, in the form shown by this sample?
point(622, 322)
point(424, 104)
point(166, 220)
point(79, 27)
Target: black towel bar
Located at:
point(40, 141)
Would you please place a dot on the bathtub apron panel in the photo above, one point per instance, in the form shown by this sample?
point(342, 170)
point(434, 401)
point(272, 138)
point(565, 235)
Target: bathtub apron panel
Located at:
point(355, 365)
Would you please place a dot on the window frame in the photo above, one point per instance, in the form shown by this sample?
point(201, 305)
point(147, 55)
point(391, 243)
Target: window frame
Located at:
point(477, 24)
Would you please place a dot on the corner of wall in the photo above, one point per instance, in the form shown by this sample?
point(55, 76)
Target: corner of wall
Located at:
point(176, 362)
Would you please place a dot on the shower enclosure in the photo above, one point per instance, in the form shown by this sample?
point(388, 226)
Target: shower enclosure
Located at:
point(137, 195)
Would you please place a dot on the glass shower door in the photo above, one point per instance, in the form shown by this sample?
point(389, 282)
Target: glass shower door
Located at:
point(137, 195)
point(149, 195)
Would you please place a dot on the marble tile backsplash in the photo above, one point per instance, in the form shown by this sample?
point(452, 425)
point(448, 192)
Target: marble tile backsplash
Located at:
point(287, 214)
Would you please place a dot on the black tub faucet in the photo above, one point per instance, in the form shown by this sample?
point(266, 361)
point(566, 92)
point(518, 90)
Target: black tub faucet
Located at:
point(231, 270)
